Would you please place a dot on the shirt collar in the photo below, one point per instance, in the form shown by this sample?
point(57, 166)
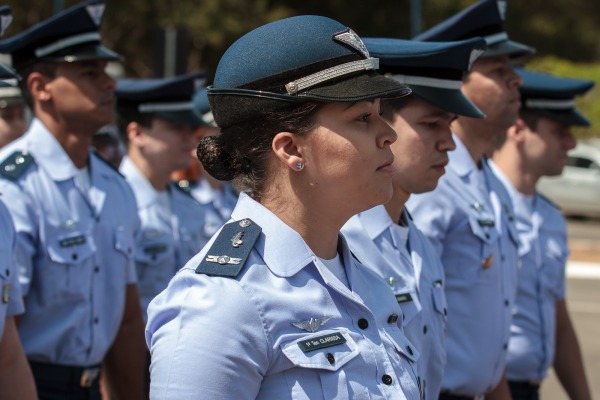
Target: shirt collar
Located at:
point(461, 161)
point(282, 248)
point(48, 153)
point(144, 193)
point(376, 221)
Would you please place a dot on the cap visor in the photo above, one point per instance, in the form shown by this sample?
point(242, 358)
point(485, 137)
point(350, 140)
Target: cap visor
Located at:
point(360, 87)
point(568, 118)
point(448, 100)
point(508, 48)
point(86, 53)
point(185, 117)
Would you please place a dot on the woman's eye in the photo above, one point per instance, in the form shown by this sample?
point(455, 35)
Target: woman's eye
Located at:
point(365, 117)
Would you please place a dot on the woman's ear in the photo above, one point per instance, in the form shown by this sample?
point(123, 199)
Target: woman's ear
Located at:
point(287, 148)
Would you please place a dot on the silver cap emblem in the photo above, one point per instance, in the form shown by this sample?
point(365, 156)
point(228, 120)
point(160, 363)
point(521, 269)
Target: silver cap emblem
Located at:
point(96, 12)
point(353, 40)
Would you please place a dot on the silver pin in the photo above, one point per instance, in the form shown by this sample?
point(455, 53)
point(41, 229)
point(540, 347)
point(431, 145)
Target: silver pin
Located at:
point(245, 222)
point(223, 260)
point(312, 324)
point(477, 206)
point(236, 241)
point(391, 281)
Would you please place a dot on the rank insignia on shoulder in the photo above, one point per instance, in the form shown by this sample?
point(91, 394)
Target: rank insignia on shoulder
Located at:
point(15, 165)
point(230, 250)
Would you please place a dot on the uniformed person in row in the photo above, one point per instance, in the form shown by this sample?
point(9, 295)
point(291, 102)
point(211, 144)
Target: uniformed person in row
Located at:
point(16, 380)
point(75, 216)
point(468, 217)
point(542, 334)
point(218, 196)
point(276, 306)
point(107, 143)
point(385, 238)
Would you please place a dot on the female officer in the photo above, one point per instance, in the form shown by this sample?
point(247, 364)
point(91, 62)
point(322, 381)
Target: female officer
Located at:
point(275, 306)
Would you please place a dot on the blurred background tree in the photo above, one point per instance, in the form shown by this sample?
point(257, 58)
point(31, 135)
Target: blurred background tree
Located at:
point(166, 37)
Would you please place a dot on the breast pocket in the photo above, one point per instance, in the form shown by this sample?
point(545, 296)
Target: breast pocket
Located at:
point(69, 271)
point(555, 259)
point(483, 270)
point(320, 359)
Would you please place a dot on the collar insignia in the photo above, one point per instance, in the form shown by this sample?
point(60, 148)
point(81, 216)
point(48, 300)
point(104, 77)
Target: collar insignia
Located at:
point(5, 21)
point(312, 324)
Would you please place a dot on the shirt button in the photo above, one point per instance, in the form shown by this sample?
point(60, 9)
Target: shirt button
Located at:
point(425, 329)
point(505, 346)
point(96, 269)
point(410, 351)
point(330, 358)
point(386, 379)
point(506, 303)
point(502, 258)
point(363, 323)
point(8, 272)
point(445, 311)
point(487, 235)
point(96, 320)
point(74, 256)
point(393, 319)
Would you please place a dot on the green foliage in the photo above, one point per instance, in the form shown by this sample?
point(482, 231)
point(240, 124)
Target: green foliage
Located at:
point(588, 104)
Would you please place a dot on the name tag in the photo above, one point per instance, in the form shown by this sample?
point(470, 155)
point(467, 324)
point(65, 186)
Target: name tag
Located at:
point(321, 342)
point(486, 223)
point(155, 249)
point(72, 241)
point(403, 298)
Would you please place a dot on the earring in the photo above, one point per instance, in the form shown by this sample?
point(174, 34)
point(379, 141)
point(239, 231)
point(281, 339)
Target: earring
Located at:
point(299, 166)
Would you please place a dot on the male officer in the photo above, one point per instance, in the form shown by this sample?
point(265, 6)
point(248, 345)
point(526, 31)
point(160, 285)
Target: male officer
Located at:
point(15, 376)
point(469, 216)
point(536, 145)
point(158, 126)
point(75, 216)
point(384, 238)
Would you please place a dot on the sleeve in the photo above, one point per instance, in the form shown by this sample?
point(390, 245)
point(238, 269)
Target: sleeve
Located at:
point(25, 224)
point(430, 215)
point(15, 305)
point(206, 340)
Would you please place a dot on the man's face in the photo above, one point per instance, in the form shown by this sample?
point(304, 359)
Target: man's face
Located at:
point(82, 94)
point(545, 148)
point(493, 87)
point(421, 151)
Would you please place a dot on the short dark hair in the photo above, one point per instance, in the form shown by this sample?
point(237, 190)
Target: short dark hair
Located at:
point(240, 153)
point(128, 112)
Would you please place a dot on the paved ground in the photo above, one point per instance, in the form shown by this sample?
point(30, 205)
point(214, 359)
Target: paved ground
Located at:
point(583, 300)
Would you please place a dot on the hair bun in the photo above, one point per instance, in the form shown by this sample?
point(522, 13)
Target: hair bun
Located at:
point(215, 159)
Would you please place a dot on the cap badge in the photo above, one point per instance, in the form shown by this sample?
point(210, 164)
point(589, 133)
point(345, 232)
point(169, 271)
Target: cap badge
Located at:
point(353, 40)
point(312, 324)
point(95, 12)
point(502, 9)
point(5, 21)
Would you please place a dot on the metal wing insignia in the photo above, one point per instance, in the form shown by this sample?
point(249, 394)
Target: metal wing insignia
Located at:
point(312, 324)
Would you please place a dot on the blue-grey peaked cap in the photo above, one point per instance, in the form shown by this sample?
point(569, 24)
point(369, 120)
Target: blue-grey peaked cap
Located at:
point(69, 36)
point(298, 59)
point(483, 19)
point(553, 97)
point(5, 20)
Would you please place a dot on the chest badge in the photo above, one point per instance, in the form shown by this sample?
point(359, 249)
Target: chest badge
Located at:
point(6, 291)
point(312, 324)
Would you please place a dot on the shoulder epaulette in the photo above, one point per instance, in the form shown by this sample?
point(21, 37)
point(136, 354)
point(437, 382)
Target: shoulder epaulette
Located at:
point(16, 164)
point(105, 162)
point(231, 249)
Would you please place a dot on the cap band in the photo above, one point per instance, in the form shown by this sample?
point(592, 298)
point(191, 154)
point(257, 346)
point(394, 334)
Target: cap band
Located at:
point(426, 81)
point(10, 92)
point(160, 107)
point(495, 38)
point(551, 104)
point(67, 42)
point(331, 73)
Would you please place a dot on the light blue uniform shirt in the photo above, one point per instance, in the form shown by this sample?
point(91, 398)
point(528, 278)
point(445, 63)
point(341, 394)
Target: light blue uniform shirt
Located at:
point(417, 283)
point(468, 219)
point(543, 255)
point(219, 204)
point(74, 251)
point(11, 301)
point(213, 337)
point(170, 234)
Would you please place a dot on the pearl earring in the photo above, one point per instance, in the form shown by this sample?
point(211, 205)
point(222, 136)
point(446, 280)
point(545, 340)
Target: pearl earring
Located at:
point(299, 166)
